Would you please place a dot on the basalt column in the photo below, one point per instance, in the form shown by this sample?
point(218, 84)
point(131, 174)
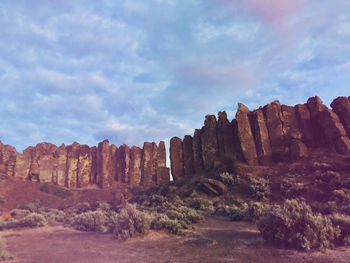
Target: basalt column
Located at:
point(60, 165)
point(209, 142)
point(225, 134)
point(93, 174)
point(291, 129)
point(341, 106)
point(245, 136)
point(335, 134)
point(278, 140)
point(23, 163)
point(188, 155)
point(84, 166)
point(261, 136)
point(123, 157)
point(147, 164)
point(197, 151)
point(72, 165)
point(135, 166)
point(104, 179)
point(176, 158)
point(304, 119)
point(163, 173)
point(315, 106)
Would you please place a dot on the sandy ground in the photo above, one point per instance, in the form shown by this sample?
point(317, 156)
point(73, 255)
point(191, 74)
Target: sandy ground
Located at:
point(215, 240)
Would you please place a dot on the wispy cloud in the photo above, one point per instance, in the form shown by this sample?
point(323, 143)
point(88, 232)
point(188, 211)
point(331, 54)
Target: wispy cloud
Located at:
point(135, 71)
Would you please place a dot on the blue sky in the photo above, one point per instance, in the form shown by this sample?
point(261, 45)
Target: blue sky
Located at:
point(135, 71)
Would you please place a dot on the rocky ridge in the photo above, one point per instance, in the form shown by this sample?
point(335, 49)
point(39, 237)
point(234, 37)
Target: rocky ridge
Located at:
point(265, 136)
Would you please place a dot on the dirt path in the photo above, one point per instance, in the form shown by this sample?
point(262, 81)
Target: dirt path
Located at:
point(215, 240)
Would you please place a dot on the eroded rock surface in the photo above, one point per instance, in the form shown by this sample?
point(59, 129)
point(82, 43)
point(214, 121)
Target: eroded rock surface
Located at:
point(209, 142)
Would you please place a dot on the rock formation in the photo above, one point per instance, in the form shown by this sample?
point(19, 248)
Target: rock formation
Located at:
point(269, 134)
point(245, 135)
point(176, 158)
point(209, 142)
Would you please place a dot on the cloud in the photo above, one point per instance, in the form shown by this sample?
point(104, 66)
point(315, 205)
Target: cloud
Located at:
point(146, 71)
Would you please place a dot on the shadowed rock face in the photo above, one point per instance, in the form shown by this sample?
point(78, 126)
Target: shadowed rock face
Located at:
point(304, 119)
point(341, 106)
point(188, 155)
point(135, 166)
point(261, 135)
point(278, 140)
point(103, 165)
point(197, 151)
point(225, 134)
point(315, 106)
point(245, 135)
point(146, 165)
point(176, 158)
point(84, 166)
point(209, 142)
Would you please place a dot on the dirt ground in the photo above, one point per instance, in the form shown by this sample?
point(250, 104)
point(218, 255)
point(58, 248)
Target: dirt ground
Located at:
point(214, 240)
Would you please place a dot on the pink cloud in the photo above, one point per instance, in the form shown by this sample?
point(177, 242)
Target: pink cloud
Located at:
point(270, 11)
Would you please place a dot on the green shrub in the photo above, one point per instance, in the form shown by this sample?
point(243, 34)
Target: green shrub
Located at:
point(260, 188)
point(3, 224)
point(128, 222)
point(55, 215)
point(90, 221)
point(34, 207)
point(82, 207)
point(295, 225)
point(19, 212)
point(33, 220)
point(100, 205)
point(343, 222)
point(200, 204)
point(162, 221)
point(12, 223)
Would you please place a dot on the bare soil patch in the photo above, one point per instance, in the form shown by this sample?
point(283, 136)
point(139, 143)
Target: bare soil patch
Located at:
point(214, 240)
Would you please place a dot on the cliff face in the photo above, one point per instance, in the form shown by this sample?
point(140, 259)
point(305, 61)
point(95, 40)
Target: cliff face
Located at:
point(273, 133)
point(76, 166)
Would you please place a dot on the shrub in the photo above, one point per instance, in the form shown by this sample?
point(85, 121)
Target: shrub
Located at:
point(33, 220)
point(343, 222)
point(162, 221)
point(19, 212)
point(226, 163)
point(100, 205)
point(82, 207)
point(260, 188)
point(3, 224)
point(33, 207)
point(129, 222)
point(200, 204)
point(12, 223)
point(4, 254)
point(295, 225)
point(90, 221)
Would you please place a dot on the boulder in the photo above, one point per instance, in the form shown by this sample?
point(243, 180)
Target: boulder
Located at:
point(225, 134)
point(261, 137)
point(197, 151)
point(341, 106)
point(304, 119)
point(245, 135)
point(176, 158)
point(278, 141)
point(209, 142)
point(135, 166)
point(188, 155)
point(213, 187)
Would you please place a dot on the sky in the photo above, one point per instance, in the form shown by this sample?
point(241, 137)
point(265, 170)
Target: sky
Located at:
point(146, 70)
